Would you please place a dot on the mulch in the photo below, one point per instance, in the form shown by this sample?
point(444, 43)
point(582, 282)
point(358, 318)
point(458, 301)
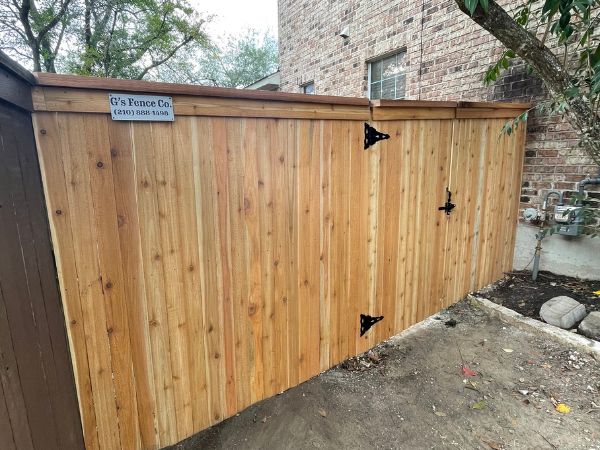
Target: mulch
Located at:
point(520, 293)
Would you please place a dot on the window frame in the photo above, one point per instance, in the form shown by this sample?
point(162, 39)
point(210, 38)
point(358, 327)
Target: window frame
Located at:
point(303, 87)
point(381, 58)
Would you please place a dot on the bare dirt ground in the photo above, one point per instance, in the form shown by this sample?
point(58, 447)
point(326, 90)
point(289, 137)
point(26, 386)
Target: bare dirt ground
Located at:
point(412, 392)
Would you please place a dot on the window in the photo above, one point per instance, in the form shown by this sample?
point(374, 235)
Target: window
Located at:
point(308, 88)
point(387, 77)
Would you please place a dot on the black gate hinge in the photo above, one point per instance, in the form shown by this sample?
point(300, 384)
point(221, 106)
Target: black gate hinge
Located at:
point(448, 206)
point(367, 322)
point(372, 136)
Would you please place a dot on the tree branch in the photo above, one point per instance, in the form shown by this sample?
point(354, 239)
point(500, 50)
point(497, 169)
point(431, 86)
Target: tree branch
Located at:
point(547, 65)
point(168, 56)
point(57, 18)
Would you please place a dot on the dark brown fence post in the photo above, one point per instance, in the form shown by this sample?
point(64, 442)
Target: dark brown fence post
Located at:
point(38, 403)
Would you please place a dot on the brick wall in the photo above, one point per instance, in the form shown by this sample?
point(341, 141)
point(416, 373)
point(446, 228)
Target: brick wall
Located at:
point(446, 57)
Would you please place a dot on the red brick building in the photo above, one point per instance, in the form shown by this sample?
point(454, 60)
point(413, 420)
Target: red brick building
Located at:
point(420, 50)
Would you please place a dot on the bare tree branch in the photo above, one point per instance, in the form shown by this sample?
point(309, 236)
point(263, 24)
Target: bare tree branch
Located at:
point(168, 56)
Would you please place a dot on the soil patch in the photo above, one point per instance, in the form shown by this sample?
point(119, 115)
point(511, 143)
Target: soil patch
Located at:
point(463, 379)
point(520, 293)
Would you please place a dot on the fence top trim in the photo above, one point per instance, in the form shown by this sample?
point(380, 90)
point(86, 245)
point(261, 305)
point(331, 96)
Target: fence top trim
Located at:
point(16, 69)
point(80, 82)
point(154, 87)
point(448, 104)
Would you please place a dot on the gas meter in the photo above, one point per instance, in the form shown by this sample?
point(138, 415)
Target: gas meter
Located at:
point(569, 219)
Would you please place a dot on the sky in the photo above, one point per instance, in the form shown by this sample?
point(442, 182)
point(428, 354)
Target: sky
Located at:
point(232, 16)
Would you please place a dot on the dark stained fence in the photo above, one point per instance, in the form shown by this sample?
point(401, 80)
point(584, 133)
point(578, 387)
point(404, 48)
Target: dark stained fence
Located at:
point(38, 404)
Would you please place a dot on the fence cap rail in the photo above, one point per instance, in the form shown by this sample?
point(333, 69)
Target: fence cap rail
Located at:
point(72, 93)
point(154, 87)
point(447, 104)
point(16, 69)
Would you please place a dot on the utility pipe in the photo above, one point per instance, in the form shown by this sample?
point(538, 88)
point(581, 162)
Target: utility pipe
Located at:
point(542, 232)
point(581, 187)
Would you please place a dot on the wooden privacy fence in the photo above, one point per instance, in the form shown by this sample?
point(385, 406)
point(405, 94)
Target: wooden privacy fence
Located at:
point(211, 262)
point(38, 403)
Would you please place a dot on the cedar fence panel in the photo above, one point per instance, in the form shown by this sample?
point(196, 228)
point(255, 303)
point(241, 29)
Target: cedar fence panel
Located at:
point(211, 262)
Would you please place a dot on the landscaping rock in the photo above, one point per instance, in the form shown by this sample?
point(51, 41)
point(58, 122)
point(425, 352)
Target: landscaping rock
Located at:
point(563, 312)
point(590, 326)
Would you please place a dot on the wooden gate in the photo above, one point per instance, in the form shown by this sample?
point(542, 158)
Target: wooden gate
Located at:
point(214, 261)
point(38, 405)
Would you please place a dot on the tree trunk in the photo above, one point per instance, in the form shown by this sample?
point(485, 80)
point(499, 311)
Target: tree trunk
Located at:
point(502, 26)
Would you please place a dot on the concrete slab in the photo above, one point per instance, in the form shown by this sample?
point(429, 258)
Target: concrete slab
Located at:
point(564, 255)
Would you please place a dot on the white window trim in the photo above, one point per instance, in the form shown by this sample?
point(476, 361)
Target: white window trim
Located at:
point(369, 79)
point(381, 57)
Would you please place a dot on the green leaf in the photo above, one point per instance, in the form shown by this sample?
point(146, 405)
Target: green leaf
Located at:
point(564, 20)
point(485, 5)
point(481, 404)
point(471, 5)
point(550, 5)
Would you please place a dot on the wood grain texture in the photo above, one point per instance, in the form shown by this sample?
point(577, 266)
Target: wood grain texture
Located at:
point(38, 404)
point(79, 82)
point(91, 101)
point(247, 248)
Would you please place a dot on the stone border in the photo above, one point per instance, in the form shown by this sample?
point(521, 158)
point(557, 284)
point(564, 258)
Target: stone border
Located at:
point(528, 324)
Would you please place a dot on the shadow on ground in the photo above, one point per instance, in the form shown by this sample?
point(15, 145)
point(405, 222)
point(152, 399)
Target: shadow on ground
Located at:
point(412, 393)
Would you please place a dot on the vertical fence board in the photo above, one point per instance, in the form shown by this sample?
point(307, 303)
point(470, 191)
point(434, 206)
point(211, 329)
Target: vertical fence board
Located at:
point(208, 241)
point(51, 163)
point(126, 206)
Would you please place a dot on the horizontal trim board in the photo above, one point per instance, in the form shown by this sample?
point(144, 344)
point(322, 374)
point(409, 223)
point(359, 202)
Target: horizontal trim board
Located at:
point(495, 105)
point(447, 104)
point(16, 69)
point(153, 87)
point(412, 104)
point(94, 101)
point(413, 113)
point(57, 99)
point(487, 113)
point(13, 89)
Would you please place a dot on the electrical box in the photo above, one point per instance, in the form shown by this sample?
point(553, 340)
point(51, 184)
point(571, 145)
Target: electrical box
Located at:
point(569, 220)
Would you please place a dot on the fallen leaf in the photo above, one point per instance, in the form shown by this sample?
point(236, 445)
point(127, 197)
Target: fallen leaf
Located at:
point(374, 357)
point(468, 372)
point(596, 293)
point(323, 412)
point(508, 350)
point(439, 413)
point(472, 385)
point(493, 445)
point(563, 408)
point(524, 391)
point(479, 405)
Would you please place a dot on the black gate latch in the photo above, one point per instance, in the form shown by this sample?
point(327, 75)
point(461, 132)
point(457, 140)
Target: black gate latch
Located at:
point(367, 322)
point(448, 206)
point(372, 136)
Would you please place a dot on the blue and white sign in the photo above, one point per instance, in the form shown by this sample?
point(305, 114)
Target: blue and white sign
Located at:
point(150, 108)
